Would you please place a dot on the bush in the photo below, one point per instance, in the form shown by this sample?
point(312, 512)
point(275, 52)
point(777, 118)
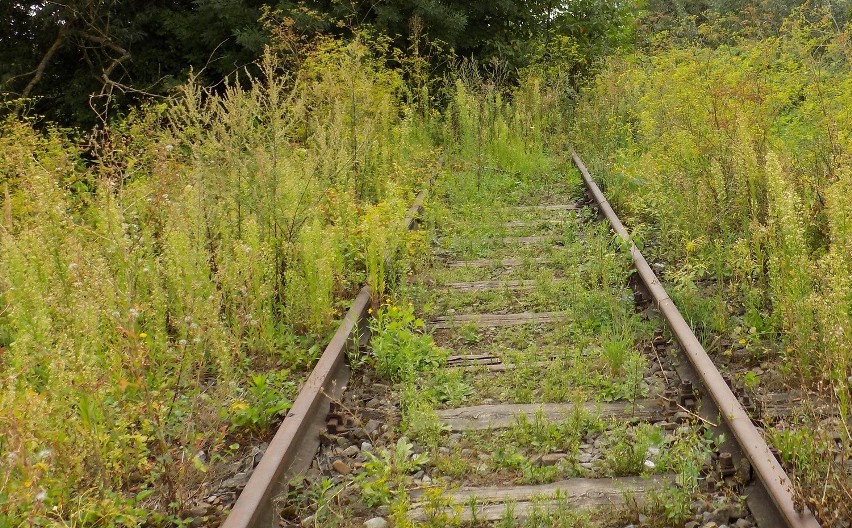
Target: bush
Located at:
point(152, 279)
point(737, 161)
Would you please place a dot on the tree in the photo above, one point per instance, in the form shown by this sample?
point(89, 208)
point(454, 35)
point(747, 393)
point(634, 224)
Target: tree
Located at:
point(75, 56)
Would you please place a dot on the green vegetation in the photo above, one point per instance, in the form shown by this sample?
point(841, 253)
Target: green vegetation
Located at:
point(168, 278)
point(162, 299)
point(85, 62)
point(400, 352)
point(733, 162)
point(593, 355)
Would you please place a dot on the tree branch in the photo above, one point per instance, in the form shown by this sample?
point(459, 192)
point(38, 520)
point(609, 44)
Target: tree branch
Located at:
point(42, 66)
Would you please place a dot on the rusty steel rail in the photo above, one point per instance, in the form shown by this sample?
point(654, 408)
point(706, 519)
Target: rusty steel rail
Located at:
point(774, 481)
point(295, 443)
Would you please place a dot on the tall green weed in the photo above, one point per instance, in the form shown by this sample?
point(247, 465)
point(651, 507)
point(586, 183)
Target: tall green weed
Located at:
point(152, 278)
point(738, 158)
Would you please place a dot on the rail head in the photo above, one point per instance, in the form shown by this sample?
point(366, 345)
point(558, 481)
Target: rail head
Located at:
point(772, 476)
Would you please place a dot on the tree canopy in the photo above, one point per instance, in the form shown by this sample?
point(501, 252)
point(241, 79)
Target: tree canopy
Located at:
point(76, 60)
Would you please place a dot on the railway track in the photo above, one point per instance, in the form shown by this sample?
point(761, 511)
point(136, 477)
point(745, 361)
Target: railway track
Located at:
point(538, 417)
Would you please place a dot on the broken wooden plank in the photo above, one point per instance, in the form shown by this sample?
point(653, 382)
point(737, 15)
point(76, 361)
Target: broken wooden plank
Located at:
point(495, 320)
point(513, 285)
point(490, 263)
point(472, 359)
point(551, 207)
point(526, 240)
point(514, 224)
point(501, 367)
point(501, 416)
point(519, 502)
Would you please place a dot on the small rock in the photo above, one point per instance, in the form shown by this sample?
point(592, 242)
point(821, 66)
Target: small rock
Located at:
point(691, 524)
point(308, 521)
point(552, 459)
point(372, 426)
point(482, 456)
point(366, 446)
point(359, 433)
point(374, 403)
point(426, 479)
point(643, 519)
point(584, 457)
point(350, 451)
point(418, 475)
point(718, 516)
point(200, 510)
point(376, 522)
point(455, 438)
point(341, 467)
point(342, 441)
point(466, 452)
point(711, 524)
point(682, 416)
point(742, 523)
point(237, 481)
point(650, 464)
point(735, 511)
point(444, 450)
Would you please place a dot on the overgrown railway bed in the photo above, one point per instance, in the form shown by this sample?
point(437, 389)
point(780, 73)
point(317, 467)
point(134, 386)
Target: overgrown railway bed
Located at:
point(565, 389)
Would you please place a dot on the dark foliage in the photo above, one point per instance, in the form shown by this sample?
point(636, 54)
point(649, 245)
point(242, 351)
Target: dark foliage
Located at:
point(78, 61)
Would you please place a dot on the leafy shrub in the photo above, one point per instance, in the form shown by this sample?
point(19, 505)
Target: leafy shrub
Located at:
point(401, 349)
point(738, 159)
point(152, 279)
